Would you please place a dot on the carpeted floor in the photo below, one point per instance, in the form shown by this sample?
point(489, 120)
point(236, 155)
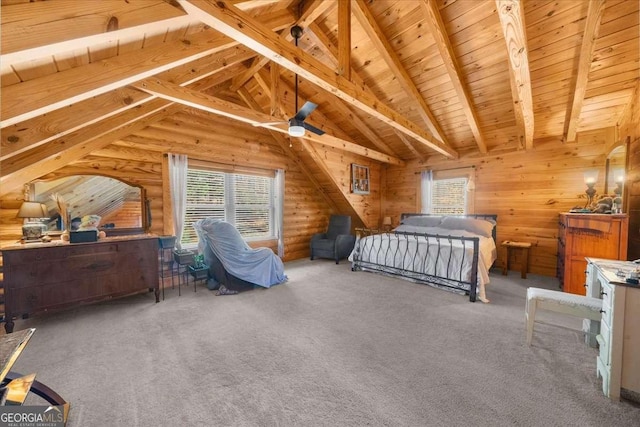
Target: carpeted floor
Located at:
point(330, 347)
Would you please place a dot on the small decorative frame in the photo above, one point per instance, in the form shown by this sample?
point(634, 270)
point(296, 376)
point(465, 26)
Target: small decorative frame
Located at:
point(359, 179)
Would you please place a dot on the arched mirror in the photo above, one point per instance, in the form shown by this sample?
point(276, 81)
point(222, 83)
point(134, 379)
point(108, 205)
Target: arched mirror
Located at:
point(122, 207)
point(616, 172)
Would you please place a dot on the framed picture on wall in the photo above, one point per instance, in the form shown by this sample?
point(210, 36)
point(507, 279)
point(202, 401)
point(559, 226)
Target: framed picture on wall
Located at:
point(359, 179)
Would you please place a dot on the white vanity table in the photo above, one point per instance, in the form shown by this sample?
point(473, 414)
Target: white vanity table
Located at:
point(618, 333)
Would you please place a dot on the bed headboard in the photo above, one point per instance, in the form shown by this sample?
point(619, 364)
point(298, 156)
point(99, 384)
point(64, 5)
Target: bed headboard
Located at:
point(492, 217)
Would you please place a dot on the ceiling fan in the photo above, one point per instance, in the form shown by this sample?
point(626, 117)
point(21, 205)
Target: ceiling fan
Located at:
point(297, 125)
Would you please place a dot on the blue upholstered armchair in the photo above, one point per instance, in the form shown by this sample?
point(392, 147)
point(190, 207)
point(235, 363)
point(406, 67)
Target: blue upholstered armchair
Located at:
point(337, 243)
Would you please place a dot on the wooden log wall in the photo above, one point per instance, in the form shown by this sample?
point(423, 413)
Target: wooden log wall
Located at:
point(526, 189)
point(138, 160)
point(630, 127)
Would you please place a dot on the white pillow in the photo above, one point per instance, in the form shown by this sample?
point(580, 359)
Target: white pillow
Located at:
point(477, 226)
point(423, 220)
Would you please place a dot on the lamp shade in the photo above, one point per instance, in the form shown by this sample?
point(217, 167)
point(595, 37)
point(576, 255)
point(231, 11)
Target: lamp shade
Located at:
point(386, 220)
point(591, 177)
point(33, 210)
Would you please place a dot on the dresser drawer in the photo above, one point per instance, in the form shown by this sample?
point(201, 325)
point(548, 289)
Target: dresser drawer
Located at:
point(606, 293)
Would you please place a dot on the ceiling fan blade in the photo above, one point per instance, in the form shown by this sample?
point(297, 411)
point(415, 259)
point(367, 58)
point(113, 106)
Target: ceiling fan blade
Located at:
point(306, 109)
point(312, 128)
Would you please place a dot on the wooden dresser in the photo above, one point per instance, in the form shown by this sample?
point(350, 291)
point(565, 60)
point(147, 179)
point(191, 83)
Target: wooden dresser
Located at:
point(618, 336)
point(588, 235)
point(48, 276)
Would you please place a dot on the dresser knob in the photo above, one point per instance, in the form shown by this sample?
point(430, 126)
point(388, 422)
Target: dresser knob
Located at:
point(602, 311)
point(585, 285)
point(602, 293)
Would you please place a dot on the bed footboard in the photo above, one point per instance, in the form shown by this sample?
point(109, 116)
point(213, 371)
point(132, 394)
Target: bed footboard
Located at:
point(448, 262)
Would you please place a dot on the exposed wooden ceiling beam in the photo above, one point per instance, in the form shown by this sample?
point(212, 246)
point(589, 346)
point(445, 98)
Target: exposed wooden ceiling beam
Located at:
point(311, 11)
point(199, 100)
point(409, 145)
point(439, 32)
point(39, 96)
point(31, 133)
point(308, 19)
point(511, 15)
point(344, 39)
point(58, 153)
point(251, 4)
point(258, 63)
point(323, 43)
point(239, 26)
point(592, 25)
point(274, 72)
point(384, 48)
point(326, 171)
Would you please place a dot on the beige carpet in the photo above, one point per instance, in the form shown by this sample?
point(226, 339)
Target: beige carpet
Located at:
point(329, 348)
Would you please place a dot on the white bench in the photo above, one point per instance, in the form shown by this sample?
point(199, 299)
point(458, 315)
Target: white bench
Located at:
point(560, 302)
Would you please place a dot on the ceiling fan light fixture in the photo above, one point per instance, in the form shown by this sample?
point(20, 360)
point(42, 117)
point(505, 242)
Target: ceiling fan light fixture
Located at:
point(296, 130)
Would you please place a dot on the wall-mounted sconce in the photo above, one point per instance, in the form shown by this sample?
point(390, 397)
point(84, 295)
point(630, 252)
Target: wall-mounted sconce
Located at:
point(590, 179)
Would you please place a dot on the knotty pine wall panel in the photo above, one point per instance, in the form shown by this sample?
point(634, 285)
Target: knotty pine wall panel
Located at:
point(526, 189)
point(630, 127)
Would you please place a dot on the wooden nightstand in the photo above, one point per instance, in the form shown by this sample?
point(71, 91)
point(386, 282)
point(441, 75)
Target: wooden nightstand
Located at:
point(524, 248)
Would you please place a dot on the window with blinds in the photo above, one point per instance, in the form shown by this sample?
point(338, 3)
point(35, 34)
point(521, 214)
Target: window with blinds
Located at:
point(243, 200)
point(449, 196)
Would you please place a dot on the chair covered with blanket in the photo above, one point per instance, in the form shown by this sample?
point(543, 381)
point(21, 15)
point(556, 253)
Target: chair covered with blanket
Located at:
point(337, 243)
point(232, 262)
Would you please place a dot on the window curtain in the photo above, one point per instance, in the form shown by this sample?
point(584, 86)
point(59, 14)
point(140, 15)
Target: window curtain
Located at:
point(279, 210)
point(426, 183)
point(178, 166)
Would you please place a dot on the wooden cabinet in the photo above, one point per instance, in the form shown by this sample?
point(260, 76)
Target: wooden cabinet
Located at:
point(588, 235)
point(618, 336)
point(50, 276)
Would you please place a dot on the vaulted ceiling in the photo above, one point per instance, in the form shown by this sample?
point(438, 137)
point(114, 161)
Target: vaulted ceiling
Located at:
point(394, 80)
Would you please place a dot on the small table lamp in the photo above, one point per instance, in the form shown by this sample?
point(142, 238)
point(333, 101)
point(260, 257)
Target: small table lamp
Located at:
point(386, 223)
point(590, 178)
point(33, 229)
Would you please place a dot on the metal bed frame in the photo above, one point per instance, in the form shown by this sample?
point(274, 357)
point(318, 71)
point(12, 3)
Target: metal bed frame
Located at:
point(413, 267)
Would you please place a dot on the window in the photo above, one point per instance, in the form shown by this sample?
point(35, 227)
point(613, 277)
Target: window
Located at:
point(449, 196)
point(247, 201)
point(447, 192)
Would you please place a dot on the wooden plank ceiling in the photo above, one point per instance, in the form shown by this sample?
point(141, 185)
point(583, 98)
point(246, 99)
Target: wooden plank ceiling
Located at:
point(394, 80)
